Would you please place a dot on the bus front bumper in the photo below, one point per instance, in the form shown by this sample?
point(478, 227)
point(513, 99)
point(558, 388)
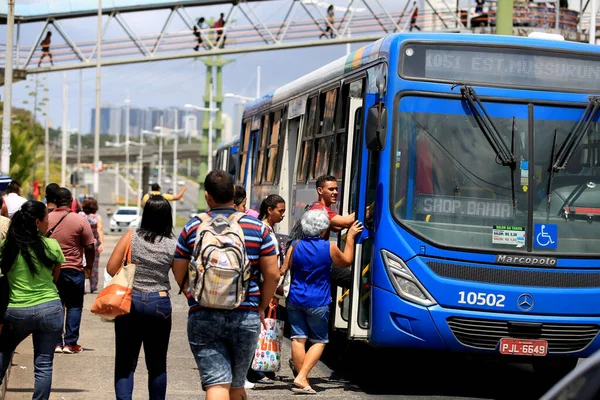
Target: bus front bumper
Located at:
point(399, 323)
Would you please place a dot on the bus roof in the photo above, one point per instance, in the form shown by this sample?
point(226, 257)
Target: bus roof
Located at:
point(381, 49)
point(337, 68)
point(229, 142)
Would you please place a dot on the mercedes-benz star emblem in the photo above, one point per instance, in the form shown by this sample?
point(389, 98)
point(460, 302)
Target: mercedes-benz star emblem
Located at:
point(525, 302)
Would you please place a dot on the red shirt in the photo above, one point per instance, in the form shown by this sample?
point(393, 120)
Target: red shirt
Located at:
point(317, 205)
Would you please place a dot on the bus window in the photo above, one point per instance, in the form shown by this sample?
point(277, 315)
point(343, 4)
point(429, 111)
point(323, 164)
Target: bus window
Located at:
point(273, 149)
point(324, 145)
point(264, 141)
point(326, 134)
point(244, 153)
point(328, 124)
point(305, 150)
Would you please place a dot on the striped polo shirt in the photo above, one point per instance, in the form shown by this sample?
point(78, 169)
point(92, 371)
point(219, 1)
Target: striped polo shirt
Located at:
point(259, 243)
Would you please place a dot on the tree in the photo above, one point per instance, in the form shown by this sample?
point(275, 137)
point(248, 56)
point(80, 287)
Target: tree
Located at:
point(23, 157)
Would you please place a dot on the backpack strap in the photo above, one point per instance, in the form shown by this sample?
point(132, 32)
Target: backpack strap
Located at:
point(236, 217)
point(204, 217)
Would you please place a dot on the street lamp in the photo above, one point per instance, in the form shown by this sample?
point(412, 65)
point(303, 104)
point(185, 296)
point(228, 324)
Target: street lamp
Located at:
point(126, 144)
point(244, 99)
point(210, 125)
point(175, 134)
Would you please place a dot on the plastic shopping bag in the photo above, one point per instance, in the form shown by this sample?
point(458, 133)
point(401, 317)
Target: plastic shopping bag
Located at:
point(267, 357)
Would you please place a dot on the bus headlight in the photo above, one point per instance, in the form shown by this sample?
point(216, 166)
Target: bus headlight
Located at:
point(406, 284)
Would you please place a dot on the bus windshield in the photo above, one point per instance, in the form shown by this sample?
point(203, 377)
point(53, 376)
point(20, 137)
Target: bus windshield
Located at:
point(449, 186)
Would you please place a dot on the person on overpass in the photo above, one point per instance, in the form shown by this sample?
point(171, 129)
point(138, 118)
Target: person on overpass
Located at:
point(329, 23)
point(198, 32)
point(156, 191)
point(413, 18)
point(46, 49)
point(218, 26)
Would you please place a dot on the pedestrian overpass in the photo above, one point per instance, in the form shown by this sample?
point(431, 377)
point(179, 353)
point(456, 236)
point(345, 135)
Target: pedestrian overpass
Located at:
point(251, 26)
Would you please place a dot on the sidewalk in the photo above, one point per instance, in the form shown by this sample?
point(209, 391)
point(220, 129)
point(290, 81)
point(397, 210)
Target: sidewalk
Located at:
point(89, 375)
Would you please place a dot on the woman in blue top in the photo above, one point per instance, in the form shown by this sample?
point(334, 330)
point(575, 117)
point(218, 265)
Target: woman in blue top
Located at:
point(310, 290)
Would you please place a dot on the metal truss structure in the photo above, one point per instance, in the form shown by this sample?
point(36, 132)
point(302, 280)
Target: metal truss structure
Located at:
point(305, 24)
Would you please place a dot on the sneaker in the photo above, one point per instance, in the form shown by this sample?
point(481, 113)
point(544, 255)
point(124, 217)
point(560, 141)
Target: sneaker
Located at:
point(72, 349)
point(58, 349)
point(249, 385)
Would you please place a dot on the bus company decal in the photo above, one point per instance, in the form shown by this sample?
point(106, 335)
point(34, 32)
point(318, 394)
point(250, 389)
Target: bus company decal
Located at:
point(526, 260)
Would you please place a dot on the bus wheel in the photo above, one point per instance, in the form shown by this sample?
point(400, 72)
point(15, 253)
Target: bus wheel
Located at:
point(555, 369)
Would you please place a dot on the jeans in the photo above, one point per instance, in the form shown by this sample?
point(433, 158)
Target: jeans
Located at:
point(44, 323)
point(71, 288)
point(223, 344)
point(149, 322)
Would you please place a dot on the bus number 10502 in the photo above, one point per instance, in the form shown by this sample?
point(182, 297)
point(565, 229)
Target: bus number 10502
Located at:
point(482, 299)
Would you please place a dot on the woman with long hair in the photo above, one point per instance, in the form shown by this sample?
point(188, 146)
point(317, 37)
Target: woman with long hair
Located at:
point(149, 321)
point(89, 211)
point(31, 264)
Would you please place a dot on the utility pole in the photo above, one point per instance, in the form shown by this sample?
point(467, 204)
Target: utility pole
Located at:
point(117, 169)
point(127, 151)
point(504, 17)
point(188, 133)
point(47, 146)
point(160, 152)
point(63, 161)
point(175, 161)
point(592, 29)
point(140, 173)
point(80, 125)
point(8, 80)
point(210, 129)
point(98, 85)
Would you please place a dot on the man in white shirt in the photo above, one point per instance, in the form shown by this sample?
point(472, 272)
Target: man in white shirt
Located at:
point(13, 200)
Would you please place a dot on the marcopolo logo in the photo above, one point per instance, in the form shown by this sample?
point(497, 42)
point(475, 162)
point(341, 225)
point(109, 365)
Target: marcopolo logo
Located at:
point(526, 260)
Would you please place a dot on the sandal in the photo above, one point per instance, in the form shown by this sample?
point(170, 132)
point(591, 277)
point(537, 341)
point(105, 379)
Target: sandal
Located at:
point(305, 390)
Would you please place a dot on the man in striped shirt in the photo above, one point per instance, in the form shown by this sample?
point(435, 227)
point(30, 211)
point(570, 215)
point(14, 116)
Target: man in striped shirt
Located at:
point(223, 341)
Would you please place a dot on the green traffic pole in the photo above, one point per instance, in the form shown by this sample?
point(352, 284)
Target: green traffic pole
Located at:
point(504, 17)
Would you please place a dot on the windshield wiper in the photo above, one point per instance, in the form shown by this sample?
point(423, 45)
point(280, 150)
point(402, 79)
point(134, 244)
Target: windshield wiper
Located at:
point(576, 135)
point(551, 178)
point(559, 161)
point(503, 153)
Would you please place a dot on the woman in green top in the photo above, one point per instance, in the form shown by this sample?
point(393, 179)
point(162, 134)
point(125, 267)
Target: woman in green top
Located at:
point(32, 264)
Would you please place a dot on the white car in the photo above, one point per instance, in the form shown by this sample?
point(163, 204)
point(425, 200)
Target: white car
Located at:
point(125, 218)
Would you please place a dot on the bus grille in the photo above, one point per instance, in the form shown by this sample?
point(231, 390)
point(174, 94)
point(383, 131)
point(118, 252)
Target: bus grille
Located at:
point(517, 277)
point(485, 334)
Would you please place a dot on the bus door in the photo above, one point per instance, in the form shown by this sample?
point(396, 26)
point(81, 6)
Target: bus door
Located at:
point(251, 166)
point(350, 190)
point(288, 164)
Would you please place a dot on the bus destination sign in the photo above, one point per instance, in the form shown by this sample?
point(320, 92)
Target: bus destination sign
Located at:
point(502, 66)
point(464, 206)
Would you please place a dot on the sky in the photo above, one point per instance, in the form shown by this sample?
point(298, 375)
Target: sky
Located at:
point(170, 83)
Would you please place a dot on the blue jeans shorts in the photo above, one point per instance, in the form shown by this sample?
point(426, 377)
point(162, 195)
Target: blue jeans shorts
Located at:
point(223, 343)
point(309, 322)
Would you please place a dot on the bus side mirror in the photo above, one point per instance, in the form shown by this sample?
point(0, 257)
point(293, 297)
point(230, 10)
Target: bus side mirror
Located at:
point(376, 127)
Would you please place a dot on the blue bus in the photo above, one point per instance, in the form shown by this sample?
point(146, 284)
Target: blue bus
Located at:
point(474, 163)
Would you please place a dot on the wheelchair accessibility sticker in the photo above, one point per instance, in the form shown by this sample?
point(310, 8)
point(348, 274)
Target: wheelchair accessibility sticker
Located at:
point(545, 236)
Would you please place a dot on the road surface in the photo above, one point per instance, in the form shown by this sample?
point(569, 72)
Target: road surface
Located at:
point(348, 371)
